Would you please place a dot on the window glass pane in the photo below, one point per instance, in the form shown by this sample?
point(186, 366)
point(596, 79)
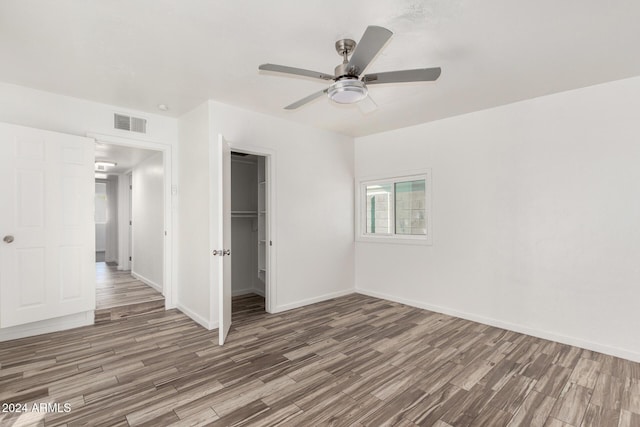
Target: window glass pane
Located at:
point(410, 207)
point(101, 203)
point(379, 199)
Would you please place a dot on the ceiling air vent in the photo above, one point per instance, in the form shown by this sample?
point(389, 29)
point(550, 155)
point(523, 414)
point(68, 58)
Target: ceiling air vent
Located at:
point(132, 124)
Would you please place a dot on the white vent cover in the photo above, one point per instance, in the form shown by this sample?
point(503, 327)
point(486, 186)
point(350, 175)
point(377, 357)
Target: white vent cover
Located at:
point(132, 124)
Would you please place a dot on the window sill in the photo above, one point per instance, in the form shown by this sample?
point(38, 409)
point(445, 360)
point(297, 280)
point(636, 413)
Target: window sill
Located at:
point(395, 240)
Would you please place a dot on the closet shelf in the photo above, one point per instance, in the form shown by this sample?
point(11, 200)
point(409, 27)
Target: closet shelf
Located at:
point(244, 214)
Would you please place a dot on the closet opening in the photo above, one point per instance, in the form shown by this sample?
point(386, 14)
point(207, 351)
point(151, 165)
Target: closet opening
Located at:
point(249, 235)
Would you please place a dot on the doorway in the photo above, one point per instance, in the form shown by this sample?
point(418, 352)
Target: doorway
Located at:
point(249, 242)
point(221, 236)
point(130, 228)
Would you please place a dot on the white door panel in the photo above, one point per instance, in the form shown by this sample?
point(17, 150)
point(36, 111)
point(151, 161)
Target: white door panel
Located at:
point(224, 237)
point(46, 185)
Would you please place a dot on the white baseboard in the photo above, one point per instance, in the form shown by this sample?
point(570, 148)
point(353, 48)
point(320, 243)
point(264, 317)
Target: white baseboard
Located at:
point(538, 333)
point(239, 292)
point(149, 282)
point(47, 326)
point(298, 304)
point(197, 318)
point(123, 264)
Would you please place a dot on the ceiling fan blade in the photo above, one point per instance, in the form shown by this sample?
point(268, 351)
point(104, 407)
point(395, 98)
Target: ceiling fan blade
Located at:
point(306, 100)
point(372, 41)
point(418, 75)
point(296, 71)
point(367, 105)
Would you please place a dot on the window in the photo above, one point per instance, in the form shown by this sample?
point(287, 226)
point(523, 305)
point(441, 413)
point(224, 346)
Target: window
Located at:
point(395, 210)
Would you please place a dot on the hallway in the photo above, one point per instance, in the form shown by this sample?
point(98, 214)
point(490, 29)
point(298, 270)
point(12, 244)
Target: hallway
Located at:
point(119, 294)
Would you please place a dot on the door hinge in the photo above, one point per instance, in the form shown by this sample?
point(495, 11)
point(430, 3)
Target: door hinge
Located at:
point(129, 258)
point(270, 243)
point(130, 222)
point(130, 187)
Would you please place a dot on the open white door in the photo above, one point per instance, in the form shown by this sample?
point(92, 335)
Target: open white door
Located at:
point(223, 238)
point(47, 258)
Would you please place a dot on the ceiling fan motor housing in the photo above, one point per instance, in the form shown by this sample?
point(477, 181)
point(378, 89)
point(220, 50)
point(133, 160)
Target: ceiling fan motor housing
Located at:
point(345, 47)
point(345, 70)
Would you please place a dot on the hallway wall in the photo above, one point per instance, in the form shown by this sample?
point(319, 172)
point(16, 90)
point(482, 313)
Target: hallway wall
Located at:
point(148, 221)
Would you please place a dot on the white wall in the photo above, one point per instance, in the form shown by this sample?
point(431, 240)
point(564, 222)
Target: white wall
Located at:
point(101, 237)
point(244, 260)
point(244, 184)
point(313, 240)
point(536, 209)
point(124, 216)
point(44, 110)
point(147, 204)
point(101, 209)
point(193, 213)
point(111, 229)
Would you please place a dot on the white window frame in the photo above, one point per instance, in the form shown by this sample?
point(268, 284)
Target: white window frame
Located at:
point(361, 209)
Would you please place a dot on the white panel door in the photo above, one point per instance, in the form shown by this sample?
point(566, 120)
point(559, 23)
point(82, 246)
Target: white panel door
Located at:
point(223, 153)
point(47, 260)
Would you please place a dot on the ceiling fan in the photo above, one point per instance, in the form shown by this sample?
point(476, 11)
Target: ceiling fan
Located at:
point(349, 85)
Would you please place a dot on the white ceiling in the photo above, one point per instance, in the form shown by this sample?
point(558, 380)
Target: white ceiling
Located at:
point(139, 53)
point(124, 157)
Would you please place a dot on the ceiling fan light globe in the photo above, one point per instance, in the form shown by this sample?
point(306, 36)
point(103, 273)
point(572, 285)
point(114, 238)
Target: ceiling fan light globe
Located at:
point(347, 91)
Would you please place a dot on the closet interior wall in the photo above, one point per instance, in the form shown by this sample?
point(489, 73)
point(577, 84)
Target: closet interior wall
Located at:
point(245, 225)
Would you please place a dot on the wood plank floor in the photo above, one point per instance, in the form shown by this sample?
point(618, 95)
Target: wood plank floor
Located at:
point(120, 295)
point(351, 361)
point(117, 288)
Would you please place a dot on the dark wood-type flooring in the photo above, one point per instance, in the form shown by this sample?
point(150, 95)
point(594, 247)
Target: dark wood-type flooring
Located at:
point(351, 361)
point(120, 295)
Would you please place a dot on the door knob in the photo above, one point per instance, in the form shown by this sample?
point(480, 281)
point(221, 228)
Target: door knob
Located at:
point(8, 239)
point(221, 252)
